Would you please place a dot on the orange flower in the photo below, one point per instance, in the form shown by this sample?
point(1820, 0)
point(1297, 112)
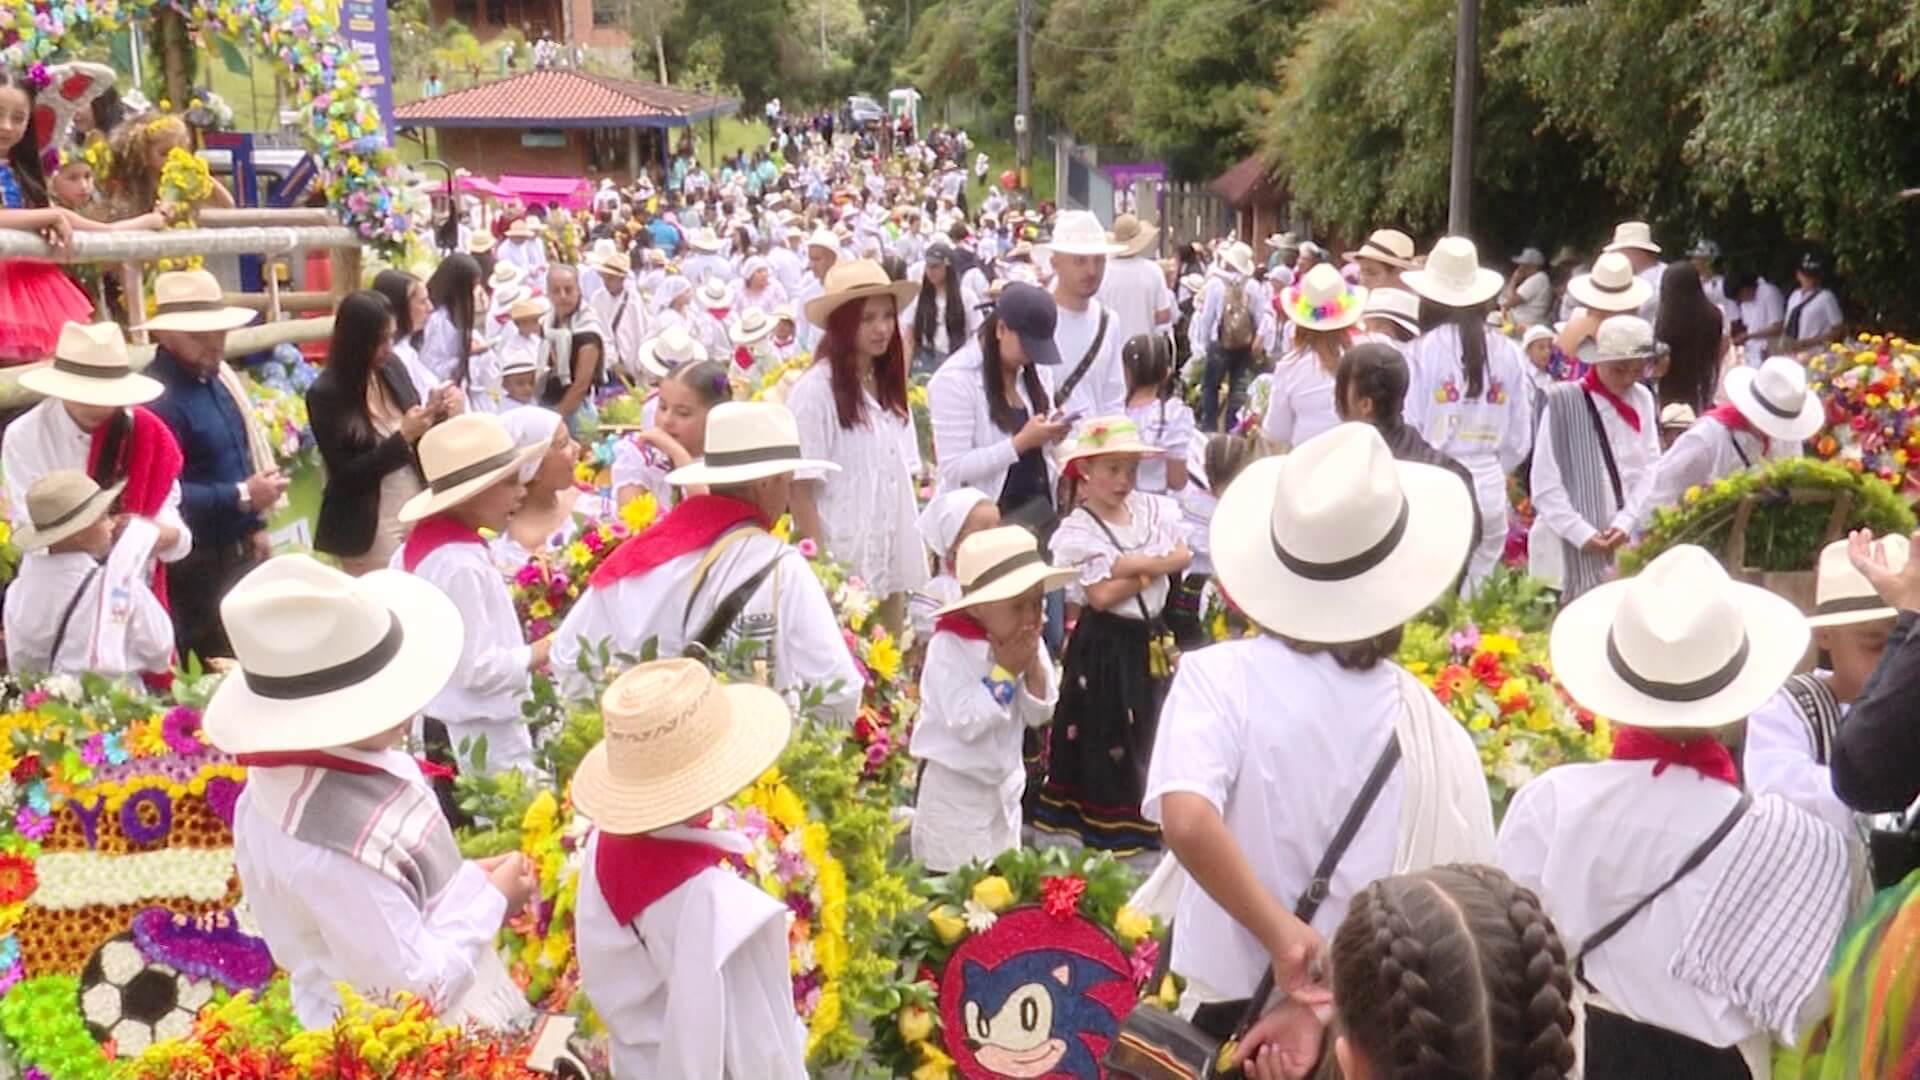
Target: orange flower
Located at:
point(17, 879)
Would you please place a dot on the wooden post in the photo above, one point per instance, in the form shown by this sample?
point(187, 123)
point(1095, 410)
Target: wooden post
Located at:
point(346, 272)
point(171, 28)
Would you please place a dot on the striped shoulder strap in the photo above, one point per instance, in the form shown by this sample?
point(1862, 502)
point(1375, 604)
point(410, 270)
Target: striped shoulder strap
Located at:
point(1818, 710)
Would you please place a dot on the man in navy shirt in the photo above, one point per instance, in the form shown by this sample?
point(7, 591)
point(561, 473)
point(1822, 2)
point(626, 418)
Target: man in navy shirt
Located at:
point(224, 498)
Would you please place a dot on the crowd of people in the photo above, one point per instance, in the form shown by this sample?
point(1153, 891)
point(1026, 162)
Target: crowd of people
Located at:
point(1324, 443)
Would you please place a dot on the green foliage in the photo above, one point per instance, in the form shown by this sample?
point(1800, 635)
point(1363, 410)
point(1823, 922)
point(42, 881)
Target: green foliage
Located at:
point(42, 1024)
point(731, 40)
point(1783, 533)
point(966, 49)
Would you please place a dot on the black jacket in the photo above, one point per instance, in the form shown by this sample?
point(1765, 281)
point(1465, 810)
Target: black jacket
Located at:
point(356, 458)
point(1876, 752)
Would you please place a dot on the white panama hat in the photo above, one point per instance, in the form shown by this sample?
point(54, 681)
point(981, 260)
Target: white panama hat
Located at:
point(1774, 398)
point(677, 743)
point(1079, 232)
point(748, 440)
point(90, 367)
point(1633, 234)
point(62, 503)
point(1680, 646)
point(669, 349)
point(191, 301)
point(461, 458)
point(753, 325)
point(1000, 564)
point(1337, 542)
point(1323, 300)
point(1108, 435)
point(713, 293)
point(326, 660)
point(1238, 258)
point(1389, 246)
point(704, 240)
point(1842, 596)
point(1625, 337)
point(1453, 276)
point(1611, 286)
point(1397, 305)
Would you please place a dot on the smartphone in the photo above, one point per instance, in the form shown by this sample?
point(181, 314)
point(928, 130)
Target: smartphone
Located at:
point(1060, 417)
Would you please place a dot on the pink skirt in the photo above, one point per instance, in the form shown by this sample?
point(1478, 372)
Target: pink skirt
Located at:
point(36, 298)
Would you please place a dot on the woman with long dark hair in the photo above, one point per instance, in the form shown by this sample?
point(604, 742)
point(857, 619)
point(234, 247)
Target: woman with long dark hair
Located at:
point(1470, 395)
point(407, 299)
point(449, 340)
point(943, 312)
point(852, 411)
point(366, 417)
point(1693, 329)
point(991, 406)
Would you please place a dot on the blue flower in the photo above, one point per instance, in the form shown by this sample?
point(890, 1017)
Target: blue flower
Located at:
point(37, 797)
point(116, 753)
point(9, 951)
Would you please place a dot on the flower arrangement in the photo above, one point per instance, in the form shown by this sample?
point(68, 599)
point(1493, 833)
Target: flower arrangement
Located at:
point(891, 699)
point(1789, 523)
point(1066, 885)
point(283, 414)
point(1871, 386)
point(545, 589)
point(779, 379)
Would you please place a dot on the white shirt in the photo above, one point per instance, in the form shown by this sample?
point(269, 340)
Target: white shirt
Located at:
point(1167, 424)
point(1103, 390)
point(962, 726)
point(440, 346)
point(1593, 840)
point(1820, 314)
point(1634, 453)
point(528, 255)
point(1135, 290)
point(492, 679)
point(1300, 403)
point(628, 332)
point(1704, 453)
point(1767, 308)
point(867, 509)
point(45, 439)
point(1079, 542)
point(1779, 761)
point(39, 598)
point(635, 465)
point(788, 616)
point(1246, 727)
point(697, 987)
point(788, 269)
point(942, 341)
point(330, 918)
point(424, 381)
point(1652, 275)
point(969, 449)
point(1490, 434)
point(1531, 300)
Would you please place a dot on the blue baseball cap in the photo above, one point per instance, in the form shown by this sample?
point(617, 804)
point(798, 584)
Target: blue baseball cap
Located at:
point(1028, 310)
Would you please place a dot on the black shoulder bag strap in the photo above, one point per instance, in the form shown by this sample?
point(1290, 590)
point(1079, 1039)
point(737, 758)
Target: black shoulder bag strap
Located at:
point(1734, 438)
point(1619, 922)
point(66, 617)
point(1086, 362)
point(1139, 598)
point(1606, 449)
point(1316, 891)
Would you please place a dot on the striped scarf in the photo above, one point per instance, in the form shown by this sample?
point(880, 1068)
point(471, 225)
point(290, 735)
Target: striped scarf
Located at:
point(1583, 472)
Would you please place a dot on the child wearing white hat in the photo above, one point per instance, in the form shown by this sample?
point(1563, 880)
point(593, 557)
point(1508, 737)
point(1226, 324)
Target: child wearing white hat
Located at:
point(988, 678)
point(944, 524)
point(1770, 413)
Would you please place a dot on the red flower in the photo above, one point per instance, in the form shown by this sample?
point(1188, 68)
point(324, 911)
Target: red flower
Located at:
point(1060, 896)
point(1486, 668)
point(17, 879)
point(26, 769)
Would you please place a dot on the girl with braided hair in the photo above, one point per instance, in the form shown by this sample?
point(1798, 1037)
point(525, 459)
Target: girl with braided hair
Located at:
point(1450, 973)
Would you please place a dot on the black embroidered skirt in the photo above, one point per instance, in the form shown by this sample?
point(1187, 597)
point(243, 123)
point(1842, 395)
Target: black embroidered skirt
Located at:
point(1101, 736)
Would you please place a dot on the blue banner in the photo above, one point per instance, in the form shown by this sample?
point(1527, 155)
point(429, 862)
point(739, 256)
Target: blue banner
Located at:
point(365, 23)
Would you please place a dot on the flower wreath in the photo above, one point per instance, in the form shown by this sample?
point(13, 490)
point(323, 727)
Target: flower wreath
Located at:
point(1307, 311)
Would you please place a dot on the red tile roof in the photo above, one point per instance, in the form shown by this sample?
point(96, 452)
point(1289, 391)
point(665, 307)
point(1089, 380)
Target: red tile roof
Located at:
point(563, 98)
point(1253, 180)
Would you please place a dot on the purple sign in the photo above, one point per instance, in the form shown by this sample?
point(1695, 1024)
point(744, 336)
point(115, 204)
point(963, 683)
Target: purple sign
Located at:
point(365, 23)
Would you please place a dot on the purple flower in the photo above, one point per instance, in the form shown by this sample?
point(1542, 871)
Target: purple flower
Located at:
point(801, 906)
point(34, 1073)
point(181, 729)
point(94, 751)
point(32, 825)
point(1465, 641)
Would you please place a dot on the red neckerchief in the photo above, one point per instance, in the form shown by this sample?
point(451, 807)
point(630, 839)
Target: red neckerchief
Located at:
point(1592, 385)
point(150, 461)
point(1702, 753)
point(1729, 417)
point(636, 871)
point(433, 533)
point(960, 625)
point(307, 759)
point(743, 358)
point(696, 523)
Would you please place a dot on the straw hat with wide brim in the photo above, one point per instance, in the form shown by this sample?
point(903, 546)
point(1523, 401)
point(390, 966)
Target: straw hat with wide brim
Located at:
point(90, 367)
point(1679, 646)
point(462, 458)
point(1633, 235)
point(1453, 276)
point(713, 293)
point(1133, 236)
point(1843, 596)
point(1079, 232)
point(1774, 398)
point(479, 242)
point(677, 744)
point(1106, 436)
point(1389, 246)
point(705, 240)
point(1000, 564)
point(521, 229)
point(1337, 542)
point(326, 660)
point(748, 440)
point(1323, 300)
point(856, 280)
point(529, 307)
point(1237, 258)
point(191, 301)
point(61, 504)
point(753, 325)
point(612, 262)
point(1611, 286)
point(1623, 338)
point(505, 275)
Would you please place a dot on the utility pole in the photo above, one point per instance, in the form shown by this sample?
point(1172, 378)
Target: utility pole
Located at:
point(1023, 118)
point(1466, 57)
point(823, 33)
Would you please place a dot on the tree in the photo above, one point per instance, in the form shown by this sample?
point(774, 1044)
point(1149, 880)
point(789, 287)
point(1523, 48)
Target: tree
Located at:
point(743, 32)
point(966, 49)
point(1194, 76)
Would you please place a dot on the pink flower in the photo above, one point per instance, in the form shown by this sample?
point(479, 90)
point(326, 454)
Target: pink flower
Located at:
point(35, 698)
point(808, 549)
point(1146, 956)
point(538, 629)
point(181, 729)
point(32, 825)
point(94, 752)
point(529, 575)
point(594, 542)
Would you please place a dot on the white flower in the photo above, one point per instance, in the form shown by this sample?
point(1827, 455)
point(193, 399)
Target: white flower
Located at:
point(978, 917)
point(64, 687)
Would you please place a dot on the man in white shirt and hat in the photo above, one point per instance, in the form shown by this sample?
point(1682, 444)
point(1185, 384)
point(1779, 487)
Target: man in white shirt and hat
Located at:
point(784, 256)
point(1610, 289)
point(685, 961)
point(1135, 288)
point(1529, 294)
point(1088, 334)
point(1593, 459)
point(525, 249)
point(1634, 239)
point(1330, 549)
point(1770, 412)
point(80, 603)
point(704, 259)
point(709, 574)
point(349, 867)
point(1699, 919)
point(823, 250)
point(1225, 325)
point(621, 310)
point(1704, 255)
point(1386, 255)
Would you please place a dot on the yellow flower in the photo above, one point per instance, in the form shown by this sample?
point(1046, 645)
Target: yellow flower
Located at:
point(786, 808)
point(947, 924)
point(541, 814)
point(993, 893)
point(640, 512)
point(1169, 992)
point(916, 1024)
point(1499, 645)
point(1480, 722)
point(540, 609)
point(826, 1015)
point(579, 554)
point(934, 1063)
point(1131, 925)
point(783, 529)
point(883, 659)
point(830, 952)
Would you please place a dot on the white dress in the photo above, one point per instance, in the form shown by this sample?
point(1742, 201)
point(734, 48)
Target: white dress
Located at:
point(1300, 402)
point(867, 509)
point(1167, 424)
point(1156, 527)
